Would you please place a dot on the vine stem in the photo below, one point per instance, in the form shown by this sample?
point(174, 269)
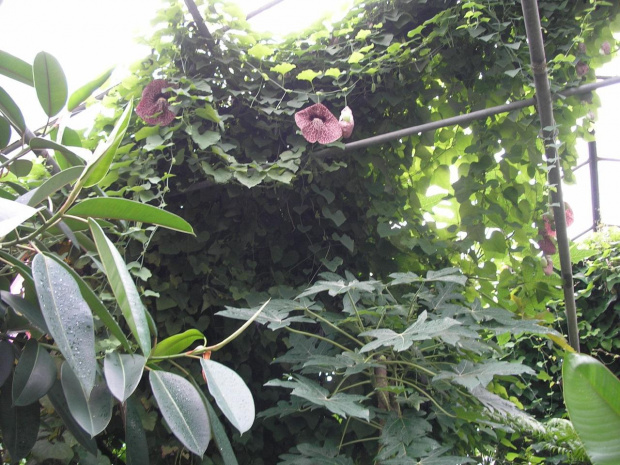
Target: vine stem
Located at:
point(410, 364)
point(316, 336)
point(423, 392)
point(331, 325)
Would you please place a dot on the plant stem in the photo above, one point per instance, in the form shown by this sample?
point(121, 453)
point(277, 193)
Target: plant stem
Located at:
point(331, 325)
point(316, 336)
point(423, 392)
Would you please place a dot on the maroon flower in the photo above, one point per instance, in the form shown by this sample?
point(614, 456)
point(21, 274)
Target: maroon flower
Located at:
point(154, 107)
point(582, 69)
point(346, 122)
point(606, 48)
point(547, 245)
point(549, 227)
point(547, 264)
point(318, 124)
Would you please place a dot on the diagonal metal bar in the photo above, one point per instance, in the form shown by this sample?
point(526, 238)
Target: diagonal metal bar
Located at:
point(547, 122)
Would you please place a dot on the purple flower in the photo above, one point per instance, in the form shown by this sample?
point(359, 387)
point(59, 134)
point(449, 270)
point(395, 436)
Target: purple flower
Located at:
point(582, 69)
point(346, 122)
point(318, 124)
point(547, 245)
point(606, 48)
point(154, 107)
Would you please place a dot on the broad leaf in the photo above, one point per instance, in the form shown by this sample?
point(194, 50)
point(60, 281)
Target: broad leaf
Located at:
point(137, 452)
point(11, 112)
point(52, 185)
point(183, 409)
point(124, 209)
point(177, 343)
point(219, 435)
point(26, 308)
point(16, 68)
point(57, 398)
point(67, 153)
point(68, 317)
point(20, 425)
point(230, 393)
point(7, 358)
point(87, 89)
point(34, 375)
point(592, 397)
point(92, 411)
point(123, 287)
point(99, 165)
point(5, 132)
point(473, 375)
point(12, 214)
point(123, 373)
point(50, 83)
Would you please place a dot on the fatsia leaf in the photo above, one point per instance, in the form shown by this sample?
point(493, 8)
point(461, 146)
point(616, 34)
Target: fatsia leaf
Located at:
point(16, 68)
point(34, 375)
point(341, 404)
point(68, 317)
point(275, 315)
point(592, 397)
point(50, 83)
point(137, 452)
point(87, 89)
point(123, 373)
point(92, 411)
point(11, 112)
point(177, 343)
point(421, 330)
point(20, 425)
point(472, 375)
point(183, 409)
point(124, 209)
point(12, 214)
point(231, 394)
point(123, 287)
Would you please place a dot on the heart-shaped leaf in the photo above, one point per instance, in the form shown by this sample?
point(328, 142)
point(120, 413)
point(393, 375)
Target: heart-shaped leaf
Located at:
point(123, 373)
point(93, 413)
point(68, 317)
point(50, 83)
point(230, 393)
point(34, 375)
point(182, 407)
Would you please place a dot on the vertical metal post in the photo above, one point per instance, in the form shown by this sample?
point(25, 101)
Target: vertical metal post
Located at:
point(594, 186)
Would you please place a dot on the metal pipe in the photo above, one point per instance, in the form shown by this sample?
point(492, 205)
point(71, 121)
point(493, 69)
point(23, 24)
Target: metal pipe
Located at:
point(594, 185)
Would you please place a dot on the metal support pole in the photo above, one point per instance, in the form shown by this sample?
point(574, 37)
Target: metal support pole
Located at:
point(549, 131)
point(594, 186)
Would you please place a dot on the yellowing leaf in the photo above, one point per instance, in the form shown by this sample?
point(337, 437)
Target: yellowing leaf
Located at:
point(283, 68)
point(260, 51)
point(356, 57)
point(307, 75)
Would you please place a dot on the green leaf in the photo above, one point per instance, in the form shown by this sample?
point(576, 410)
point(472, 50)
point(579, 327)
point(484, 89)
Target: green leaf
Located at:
point(206, 139)
point(98, 166)
point(92, 411)
point(208, 113)
point(137, 452)
point(20, 426)
point(307, 75)
point(338, 217)
point(219, 435)
point(275, 314)
point(124, 209)
point(95, 304)
point(11, 112)
point(26, 308)
point(230, 393)
point(5, 132)
point(260, 51)
point(123, 287)
point(73, 159)
point(12, 214)
point(333, 72)
point(86, 90)
point(592, 397)
point(145, 132)
point(57, 398)
point(123, 373)
point(355, 57)
point(16, 68)
point(68, 317)
point(472, 375)
point(34, 375)
point(283, 68)
point(7, 357)
point(53, 185)
point(21, 168)
point(249, 180)
point(176, 344)
point(183, 409)
point(50, 83)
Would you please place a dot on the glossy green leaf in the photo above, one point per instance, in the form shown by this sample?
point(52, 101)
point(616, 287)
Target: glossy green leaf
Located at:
point(21, 168)
point(11, 112)
point(92, 412)
point(5, 132)
point(177, 343)
point(57, 398)
point(123, 287)
point(16, 68)
point(592, 397)
point(31, 311)
point(231, 394)
point(123, 373)
point(12, 214)
point(53, 185)
point(87, 90)
point(68, 317)
point(182, 408)
point(25, 272)
point(7, 358)
point(50, 83)
point(137, 451)
point(95, 304)
point(69, 154)
point(20, 425)
point(123, 209)
point(219, 435)
point(99, 165)
point(34, 375)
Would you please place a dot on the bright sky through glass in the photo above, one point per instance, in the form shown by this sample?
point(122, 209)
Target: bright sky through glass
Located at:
point(88, 37)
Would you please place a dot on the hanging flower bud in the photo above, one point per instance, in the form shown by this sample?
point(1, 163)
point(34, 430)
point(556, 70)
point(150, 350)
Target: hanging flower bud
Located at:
point(547, 265)
point(568, 214)
point(606, 48)
point(582, 69)
point(154, 107)
point(547, 245)
point(318, 124)
point(346, 122)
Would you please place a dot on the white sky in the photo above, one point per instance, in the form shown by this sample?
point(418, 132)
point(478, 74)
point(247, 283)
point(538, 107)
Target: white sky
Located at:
point(89, 36)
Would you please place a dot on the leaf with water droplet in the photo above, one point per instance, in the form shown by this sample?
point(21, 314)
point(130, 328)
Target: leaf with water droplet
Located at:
point(123, 373)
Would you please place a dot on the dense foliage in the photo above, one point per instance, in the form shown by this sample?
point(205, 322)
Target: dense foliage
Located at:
point(274, 216)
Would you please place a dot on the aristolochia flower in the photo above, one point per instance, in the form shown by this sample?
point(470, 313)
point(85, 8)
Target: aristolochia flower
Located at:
point(154, 107)
point(346, 122)
point(547, 245)
point(318, 124)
